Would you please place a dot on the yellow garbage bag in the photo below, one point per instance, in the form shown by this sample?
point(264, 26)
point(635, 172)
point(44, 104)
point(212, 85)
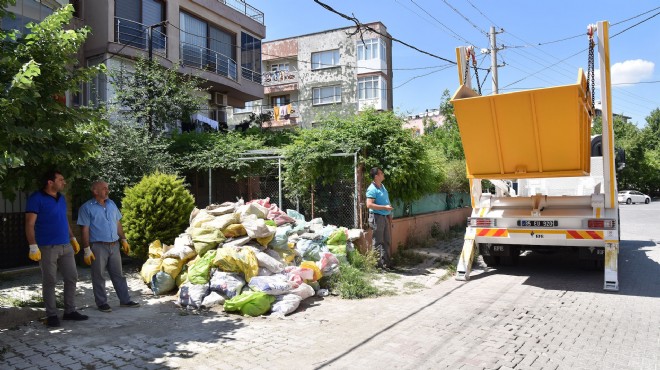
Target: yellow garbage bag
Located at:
point(265, 240)
point(172, 266)
point(155, 250)
point(150, 268)
point(312, 266)
point(236, 259)
point(234, 230)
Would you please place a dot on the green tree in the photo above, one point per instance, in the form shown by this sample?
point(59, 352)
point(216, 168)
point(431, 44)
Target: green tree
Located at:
point(36, 130)
point(447, 136)
point(126, 154)
point(445, 146)
point(156, 97)
point(381, 141)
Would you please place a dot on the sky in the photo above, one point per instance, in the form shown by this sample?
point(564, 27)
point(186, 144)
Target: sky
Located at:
point(439, 26)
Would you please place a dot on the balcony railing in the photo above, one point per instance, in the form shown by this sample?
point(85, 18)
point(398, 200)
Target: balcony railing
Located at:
point(279, 78)
point(249, 74)
point(204, 58)
point(135, 34)
point(246, 9)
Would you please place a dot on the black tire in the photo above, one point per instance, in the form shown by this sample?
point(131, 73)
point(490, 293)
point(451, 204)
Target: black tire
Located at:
point(511, 260)
point(628, 201)
point(490, 261)
point(647, 201)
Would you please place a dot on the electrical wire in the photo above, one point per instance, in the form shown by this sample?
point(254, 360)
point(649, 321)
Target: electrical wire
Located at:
point(360, 26)
point(583, 50)
point(455, 35)
point(636, 83)
point(484, 15)
point(423, 75)
point(466, 18)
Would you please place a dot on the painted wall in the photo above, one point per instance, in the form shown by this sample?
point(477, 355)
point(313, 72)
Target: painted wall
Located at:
point(406, 227)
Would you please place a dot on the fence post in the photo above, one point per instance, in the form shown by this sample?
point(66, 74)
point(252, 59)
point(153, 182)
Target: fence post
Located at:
point(355, 190)
point(279, 179)
point(210, 184)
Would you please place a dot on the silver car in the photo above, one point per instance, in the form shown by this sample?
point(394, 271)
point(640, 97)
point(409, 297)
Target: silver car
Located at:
point(633, 196)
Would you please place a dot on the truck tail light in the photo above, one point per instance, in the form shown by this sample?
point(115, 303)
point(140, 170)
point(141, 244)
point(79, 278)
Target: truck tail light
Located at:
point(601, 223)
point(481, 222)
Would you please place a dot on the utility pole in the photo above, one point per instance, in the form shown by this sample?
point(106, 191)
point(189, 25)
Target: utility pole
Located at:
point(493, 57)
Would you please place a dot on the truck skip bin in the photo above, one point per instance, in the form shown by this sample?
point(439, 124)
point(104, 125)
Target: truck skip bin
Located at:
point(540, 139)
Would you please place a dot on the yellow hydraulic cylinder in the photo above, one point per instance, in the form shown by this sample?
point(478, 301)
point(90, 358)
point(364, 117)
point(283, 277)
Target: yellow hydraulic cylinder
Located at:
point(534, 133)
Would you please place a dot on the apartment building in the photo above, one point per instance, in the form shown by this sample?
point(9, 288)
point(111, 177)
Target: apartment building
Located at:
point(416, 122)
point(216, 40)
point(307, 77)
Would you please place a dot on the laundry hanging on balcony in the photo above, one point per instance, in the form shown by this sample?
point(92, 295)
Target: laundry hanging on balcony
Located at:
point(200, 118)
point(282, 111)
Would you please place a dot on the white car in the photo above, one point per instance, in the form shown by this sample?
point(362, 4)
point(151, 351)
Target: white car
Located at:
point(633, 196)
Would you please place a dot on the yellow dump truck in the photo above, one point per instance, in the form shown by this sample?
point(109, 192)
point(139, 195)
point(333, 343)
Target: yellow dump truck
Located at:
point(555, 185)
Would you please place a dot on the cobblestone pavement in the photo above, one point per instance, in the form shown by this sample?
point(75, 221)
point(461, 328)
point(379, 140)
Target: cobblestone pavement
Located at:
point(546, 313)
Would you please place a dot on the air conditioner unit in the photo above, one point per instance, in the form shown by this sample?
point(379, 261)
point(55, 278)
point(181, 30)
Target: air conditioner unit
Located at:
point(220, 99)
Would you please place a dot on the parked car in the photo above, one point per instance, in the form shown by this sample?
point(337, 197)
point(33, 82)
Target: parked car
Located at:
point(633, 196)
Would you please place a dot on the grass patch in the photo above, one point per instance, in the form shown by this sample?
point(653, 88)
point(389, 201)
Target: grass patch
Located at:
point(449, 266)
point(411, 285)
point(354, 280)
point(406, 257)
point(353, 283)
point(34, 301)
point(391, 276)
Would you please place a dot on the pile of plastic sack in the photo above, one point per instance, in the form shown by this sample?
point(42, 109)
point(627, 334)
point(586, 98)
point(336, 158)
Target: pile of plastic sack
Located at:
point(248, 257)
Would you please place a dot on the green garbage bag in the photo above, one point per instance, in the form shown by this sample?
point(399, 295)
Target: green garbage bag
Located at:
point(206, 239)
point(337, 237)
point(199, 273)
point(250, 303)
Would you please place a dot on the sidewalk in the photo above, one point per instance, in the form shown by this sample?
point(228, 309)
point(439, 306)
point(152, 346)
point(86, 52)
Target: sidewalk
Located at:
point(159, 334)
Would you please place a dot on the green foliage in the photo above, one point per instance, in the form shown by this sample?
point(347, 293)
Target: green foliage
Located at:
point(158, 207)
point(156, 97)
point(642, 148)
point(353, 283)
point(127, 154)
point(37, 131)
point(201, 151)
point(447, 136)
point(381, 141)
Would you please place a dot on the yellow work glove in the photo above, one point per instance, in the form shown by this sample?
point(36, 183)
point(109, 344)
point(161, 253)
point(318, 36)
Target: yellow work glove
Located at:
point(35, 253)
point(75, 245)
point(89, 256)
point(125, 247)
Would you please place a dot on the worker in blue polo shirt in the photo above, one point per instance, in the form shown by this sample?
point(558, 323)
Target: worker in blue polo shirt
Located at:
point(52, 244)
point(102, 233)
point(380, 216)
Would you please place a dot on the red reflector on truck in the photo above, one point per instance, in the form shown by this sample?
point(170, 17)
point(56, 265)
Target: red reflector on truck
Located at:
point(601, 223)
point(482, 222)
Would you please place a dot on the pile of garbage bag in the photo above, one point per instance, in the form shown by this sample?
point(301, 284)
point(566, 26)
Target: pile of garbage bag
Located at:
point(248, 257)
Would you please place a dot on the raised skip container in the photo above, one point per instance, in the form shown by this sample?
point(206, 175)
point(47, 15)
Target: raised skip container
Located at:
point(526, 134)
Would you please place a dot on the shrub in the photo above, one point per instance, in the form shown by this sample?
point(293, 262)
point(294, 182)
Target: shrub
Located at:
point(157, 207)
point(354, 279)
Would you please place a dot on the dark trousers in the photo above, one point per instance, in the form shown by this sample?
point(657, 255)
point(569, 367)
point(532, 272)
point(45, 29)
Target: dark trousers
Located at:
point(382, 236)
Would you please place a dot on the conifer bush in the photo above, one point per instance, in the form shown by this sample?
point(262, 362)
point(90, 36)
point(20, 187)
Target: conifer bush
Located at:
point(158, 207)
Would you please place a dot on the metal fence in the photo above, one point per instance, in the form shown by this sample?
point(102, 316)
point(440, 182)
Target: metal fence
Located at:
point(13, 245)
point(335, 203)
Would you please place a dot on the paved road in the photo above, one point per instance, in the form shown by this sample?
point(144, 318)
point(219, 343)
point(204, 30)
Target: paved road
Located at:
point(546, 313)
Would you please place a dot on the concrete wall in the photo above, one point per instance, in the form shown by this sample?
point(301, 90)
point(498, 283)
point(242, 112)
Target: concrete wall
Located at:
point(416, 226)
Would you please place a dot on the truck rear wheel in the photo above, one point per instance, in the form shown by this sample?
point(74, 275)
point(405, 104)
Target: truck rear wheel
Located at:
point(486, 254)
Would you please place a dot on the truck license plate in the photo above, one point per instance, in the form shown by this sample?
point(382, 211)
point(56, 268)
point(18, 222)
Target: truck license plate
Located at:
point(538, 223)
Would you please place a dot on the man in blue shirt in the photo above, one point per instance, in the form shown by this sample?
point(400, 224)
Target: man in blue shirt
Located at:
point(101, 233)
point(380, 216)
point(52, 244)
